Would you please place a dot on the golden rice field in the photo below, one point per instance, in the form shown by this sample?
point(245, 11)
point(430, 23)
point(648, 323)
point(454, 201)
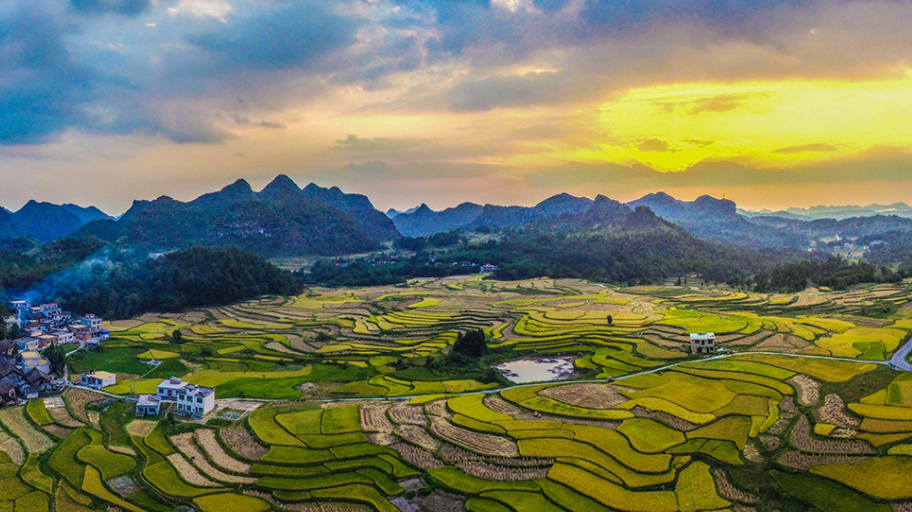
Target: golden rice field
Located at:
point(801, 412)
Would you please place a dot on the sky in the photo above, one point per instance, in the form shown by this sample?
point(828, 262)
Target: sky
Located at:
point(771, 104)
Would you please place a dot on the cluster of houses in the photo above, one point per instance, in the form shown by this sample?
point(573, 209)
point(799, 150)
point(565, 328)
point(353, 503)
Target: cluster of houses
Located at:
point(23, 376)
point(24, 372)
point(48, 324)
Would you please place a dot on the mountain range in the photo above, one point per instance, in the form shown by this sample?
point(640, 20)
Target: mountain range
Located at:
point(280, 220)
point(283, 219)
point(834, 212)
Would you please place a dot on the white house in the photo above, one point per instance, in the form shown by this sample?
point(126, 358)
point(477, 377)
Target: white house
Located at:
point(29, 360)
point(64, 337)
point(487, 267)
point(98, 380)
point(92, 321)
point(168, 389)
point(702, 342)
point(27, 344)
point(148, 405)
point(196, 400)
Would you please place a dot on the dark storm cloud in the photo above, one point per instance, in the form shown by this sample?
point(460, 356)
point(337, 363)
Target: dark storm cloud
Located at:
point(40, 86)
point(294, 35)
point(126, 74)
point(122, 7)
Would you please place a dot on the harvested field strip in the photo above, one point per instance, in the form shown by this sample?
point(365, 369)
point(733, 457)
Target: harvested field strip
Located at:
point(164, 476)
point(588, 396)
point(373, 419)
point(480, 443)
point(808, 389)
point(243, 443)
point(214, 452)
point(407, 414)
point(417, 435)
point(13, 419)
point(186, 445)
point(12, 447)
point(801, 439)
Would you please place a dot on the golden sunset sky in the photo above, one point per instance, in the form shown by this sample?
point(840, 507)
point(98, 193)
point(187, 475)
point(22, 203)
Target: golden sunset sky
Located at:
point(772, 104)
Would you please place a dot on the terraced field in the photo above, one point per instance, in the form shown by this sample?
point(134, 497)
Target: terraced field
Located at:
point(778, 424)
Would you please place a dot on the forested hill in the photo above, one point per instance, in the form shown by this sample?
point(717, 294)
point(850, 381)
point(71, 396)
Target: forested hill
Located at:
point(611, 243)
point(280, 220)
point(123, 286)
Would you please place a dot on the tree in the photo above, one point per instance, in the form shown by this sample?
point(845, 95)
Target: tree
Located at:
point(56, 357)
point(471, 344)
point(177, 335)
point(610, 320)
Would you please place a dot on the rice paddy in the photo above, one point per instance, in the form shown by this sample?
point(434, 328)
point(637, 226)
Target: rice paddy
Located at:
point(359, 418)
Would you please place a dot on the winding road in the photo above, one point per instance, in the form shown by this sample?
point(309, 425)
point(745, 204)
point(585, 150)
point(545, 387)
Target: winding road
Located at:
point(900, 360)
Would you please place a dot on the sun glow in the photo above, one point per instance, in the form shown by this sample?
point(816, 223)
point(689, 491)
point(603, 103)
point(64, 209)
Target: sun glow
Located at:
point(766, 124)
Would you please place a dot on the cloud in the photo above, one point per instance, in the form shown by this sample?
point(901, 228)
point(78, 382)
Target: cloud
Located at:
point(295, 34)
point(655, 145)
point(721, 103)
point(122, 7)
point(808, 148)
point(41, 85)
point(355, 146)
point(512, 91)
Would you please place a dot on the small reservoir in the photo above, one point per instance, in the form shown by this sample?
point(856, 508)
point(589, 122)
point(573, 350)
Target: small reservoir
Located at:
point(538, 369)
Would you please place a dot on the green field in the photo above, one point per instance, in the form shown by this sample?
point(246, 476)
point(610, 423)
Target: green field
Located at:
point(673, 432)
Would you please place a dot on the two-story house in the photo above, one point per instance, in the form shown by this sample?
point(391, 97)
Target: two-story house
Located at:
point(196, 400)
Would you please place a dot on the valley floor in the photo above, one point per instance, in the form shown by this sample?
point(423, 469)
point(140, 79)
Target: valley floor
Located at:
point(348, 409)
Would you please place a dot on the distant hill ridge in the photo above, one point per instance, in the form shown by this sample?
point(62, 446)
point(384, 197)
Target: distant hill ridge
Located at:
point(283, 219)
point(280, 220)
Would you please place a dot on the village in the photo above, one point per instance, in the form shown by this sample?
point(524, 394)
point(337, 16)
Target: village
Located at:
point(26, 374)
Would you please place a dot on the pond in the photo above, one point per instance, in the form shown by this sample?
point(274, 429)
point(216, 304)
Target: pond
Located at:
point(538, 369)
